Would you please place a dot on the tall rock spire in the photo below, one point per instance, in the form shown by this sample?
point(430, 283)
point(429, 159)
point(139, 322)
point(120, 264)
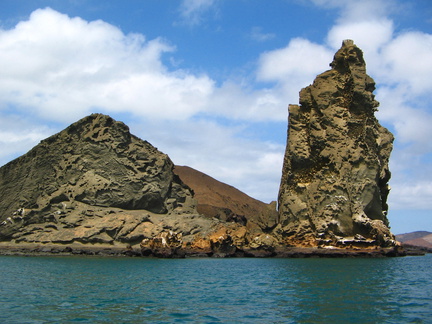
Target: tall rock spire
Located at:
point(335, 175)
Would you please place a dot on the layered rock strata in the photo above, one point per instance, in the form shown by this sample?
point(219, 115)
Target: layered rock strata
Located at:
point(334, 184)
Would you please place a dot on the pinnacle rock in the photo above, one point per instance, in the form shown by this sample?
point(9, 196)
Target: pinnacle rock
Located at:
point(334, 184)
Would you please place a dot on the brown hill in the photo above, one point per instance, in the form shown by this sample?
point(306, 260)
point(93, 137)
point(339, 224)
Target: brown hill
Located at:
point(418, 238)
point(222, 201)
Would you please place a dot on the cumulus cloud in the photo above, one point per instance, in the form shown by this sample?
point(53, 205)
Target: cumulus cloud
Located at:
point(289, 69)
point(370, 35)
point(242, 102)
point(355, 11)
point(408, 59)
point(300, 60)
point(403, 195)
point(63, 68)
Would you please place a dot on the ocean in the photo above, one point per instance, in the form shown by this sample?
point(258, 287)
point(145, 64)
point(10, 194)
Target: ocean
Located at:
point(210, 290)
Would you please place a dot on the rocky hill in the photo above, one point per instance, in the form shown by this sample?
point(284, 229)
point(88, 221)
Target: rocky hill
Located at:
point(335, 175)
point(95, 183)
point(222, 201)
point(418, 238)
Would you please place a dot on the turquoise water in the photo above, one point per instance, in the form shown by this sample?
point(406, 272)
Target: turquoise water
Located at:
point(138, 290)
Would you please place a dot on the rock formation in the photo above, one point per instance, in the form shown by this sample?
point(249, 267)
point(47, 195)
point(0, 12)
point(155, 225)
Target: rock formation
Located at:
point(96, 184)
point(335, 176)
point(85, 183)
point(95, 161)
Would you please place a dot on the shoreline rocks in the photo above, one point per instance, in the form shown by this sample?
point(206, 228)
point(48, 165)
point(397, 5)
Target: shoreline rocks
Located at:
point(102, 250)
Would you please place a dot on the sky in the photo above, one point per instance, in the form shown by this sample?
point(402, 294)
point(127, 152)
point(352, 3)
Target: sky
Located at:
point(208, 82)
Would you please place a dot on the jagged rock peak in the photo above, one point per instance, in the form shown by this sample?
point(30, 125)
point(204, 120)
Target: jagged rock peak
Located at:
point(335, 175)
point(95, 161)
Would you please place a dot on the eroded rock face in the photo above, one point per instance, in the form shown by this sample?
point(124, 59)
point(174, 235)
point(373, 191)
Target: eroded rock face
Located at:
point(95, 184)
point(335, 175)
point(83, 183)
point(95, 161)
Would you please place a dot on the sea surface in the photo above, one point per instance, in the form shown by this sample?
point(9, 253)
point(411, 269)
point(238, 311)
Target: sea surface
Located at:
point(238, 290)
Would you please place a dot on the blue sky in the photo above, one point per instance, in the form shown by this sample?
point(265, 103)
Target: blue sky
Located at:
point(208, 81)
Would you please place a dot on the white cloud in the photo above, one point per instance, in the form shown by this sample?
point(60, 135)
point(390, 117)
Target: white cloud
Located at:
point(369, 35)
point(241, 102)
point(248, 164)
point(258, 35)
point(301, 60)
point(355, 11)
point(408, 59)
point(412, 195)
point(412, 124)
point(18, 134)
point(64, 68)
point(289, 69)
point(192, 11)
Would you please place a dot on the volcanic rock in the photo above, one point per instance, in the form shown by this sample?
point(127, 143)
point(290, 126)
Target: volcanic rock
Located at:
point(95, 161)
point(93, 182)
point(96, 185)
point(335, 175)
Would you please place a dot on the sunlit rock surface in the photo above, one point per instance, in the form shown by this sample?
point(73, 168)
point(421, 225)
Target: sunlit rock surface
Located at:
point(335, 175)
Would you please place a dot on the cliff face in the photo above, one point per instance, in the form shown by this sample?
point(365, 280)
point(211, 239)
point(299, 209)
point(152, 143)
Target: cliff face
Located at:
point(335, 175)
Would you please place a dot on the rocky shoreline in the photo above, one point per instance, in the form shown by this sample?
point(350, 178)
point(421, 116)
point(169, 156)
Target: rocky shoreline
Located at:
point(104, 250)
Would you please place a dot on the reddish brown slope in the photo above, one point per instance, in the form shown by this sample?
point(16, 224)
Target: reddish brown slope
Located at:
point(217, 199)
point(419, 238)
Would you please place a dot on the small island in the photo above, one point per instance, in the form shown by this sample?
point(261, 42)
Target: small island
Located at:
point(96, 189)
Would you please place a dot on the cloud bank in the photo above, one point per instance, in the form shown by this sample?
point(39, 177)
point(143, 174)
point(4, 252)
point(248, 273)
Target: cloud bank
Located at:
point(62, 68)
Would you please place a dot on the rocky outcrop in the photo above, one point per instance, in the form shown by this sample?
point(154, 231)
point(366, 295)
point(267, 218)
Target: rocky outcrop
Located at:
point(93, 182)
point(96, 185)
point(98, 162)
point(335, 176)
point(94, 188)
